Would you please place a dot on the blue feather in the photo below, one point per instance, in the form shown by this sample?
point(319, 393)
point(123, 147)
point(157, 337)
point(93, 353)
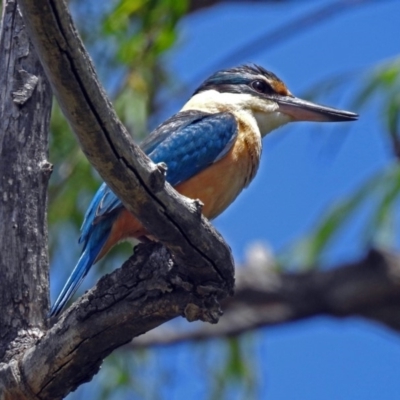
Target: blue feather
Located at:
point(193, 147)
point(188, 142)
point(91, 249)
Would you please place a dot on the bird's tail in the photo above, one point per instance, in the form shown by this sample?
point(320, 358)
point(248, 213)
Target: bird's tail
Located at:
point(87, 259)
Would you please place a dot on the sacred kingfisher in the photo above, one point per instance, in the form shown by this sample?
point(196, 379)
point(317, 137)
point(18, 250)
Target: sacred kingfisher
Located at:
point(212, 149)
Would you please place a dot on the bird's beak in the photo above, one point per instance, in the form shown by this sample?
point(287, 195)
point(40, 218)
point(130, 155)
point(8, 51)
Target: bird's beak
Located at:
point(302, 110)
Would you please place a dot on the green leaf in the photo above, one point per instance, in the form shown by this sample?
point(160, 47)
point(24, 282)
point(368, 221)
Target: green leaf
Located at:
point(382, 79)
point(385, 185)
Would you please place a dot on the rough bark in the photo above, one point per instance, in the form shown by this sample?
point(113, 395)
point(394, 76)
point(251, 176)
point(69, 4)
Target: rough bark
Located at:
point(25, 105)
point(368, 288)
point(146, 292)
point(71, 352)
point(174, 220)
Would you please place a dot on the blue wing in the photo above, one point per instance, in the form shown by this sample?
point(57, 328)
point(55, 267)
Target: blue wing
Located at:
point(188, 142)
point(191, 141)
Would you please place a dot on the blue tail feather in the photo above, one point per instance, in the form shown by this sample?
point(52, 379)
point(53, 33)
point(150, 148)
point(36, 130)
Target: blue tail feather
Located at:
point(81, 269)
point(74, 280)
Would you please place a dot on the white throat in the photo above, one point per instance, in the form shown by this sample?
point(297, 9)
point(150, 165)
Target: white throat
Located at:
point(264, 116)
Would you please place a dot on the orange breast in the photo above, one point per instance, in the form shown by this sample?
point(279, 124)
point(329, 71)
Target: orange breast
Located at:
point(216, 186)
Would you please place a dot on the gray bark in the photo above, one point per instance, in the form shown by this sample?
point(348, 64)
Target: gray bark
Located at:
point(368, 288)
point(174, 220)
point(146, 292)
point(25, 105)
point(70, 352)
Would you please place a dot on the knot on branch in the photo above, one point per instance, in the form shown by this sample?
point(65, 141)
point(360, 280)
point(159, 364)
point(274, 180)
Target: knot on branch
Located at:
point(25, 85)
point(198, 206)
point(386, 261)
point(25, 339)
point(46, 167)
point(157, 176)
point(204, 305)
point(207, 312)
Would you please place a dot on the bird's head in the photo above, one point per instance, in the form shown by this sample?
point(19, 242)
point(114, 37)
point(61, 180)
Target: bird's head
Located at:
point(251, 88)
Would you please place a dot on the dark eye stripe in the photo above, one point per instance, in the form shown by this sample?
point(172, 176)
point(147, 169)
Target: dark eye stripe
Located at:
point(261, 86)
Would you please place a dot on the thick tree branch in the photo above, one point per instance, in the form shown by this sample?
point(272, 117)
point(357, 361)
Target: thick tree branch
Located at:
point(147, 291)
point(369, 288)
point(71, 352)
point(173, 220)
point(25, 105)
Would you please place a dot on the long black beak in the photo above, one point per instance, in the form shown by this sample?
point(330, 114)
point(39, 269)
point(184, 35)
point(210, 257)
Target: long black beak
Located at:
point(302, 110)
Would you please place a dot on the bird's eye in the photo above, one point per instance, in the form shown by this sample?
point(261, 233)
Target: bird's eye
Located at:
point(261, 87)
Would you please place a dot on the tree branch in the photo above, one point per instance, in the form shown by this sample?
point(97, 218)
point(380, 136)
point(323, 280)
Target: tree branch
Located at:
point(369, 288)
point(139, 296)
point(152, 288)
point(174, 220)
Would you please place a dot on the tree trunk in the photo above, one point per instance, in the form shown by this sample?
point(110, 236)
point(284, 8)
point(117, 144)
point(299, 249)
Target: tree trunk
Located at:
point(25, 106)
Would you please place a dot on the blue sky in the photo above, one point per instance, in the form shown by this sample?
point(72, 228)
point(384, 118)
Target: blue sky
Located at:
point(315, 164)
point(306, 168)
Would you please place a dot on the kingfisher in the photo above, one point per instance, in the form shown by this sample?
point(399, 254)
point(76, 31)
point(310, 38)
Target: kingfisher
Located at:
point(212, 148)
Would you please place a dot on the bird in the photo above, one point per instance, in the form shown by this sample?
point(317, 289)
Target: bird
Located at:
point(212, 149)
